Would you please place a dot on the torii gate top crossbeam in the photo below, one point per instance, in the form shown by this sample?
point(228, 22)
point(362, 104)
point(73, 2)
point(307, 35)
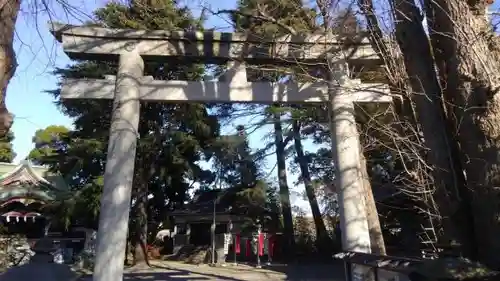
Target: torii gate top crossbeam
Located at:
point(209, 47)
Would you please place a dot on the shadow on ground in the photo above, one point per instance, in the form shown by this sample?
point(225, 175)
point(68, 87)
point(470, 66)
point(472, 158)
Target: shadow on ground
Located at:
point(305, 271)
point(300, 272)
point(279, 272)
point(174, 275)
point(184, 272)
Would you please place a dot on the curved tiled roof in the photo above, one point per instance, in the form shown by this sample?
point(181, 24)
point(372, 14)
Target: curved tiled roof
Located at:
point(27, 181)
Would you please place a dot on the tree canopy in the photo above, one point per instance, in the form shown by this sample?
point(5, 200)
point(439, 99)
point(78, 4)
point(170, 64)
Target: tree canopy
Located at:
point(7, 153)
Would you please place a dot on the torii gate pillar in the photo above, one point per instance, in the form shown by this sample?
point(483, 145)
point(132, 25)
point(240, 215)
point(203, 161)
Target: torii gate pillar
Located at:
point(119, 172)
point(346, 159)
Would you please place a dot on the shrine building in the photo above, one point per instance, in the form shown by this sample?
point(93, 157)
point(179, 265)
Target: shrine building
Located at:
point(25, 189)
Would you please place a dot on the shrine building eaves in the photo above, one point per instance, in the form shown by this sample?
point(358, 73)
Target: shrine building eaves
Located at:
point(92, 42)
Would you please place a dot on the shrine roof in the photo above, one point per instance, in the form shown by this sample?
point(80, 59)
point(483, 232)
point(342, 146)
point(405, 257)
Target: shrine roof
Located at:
point(227, 207)
point(27, 180)
point(203, 202)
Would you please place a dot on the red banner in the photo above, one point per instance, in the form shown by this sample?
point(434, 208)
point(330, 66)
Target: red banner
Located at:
point(261, 244)
point(270, 246)
point(237, 246)
point(248, 247)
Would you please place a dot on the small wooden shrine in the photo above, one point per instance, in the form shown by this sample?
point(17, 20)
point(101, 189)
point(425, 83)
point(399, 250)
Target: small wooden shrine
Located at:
point(193, 224)
point(235, 231)
point(24, 191)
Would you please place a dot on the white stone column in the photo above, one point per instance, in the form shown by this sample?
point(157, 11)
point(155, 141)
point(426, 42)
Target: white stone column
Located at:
point(236, 73)
point(348, 179)
point(119, 173)
point(236, 76)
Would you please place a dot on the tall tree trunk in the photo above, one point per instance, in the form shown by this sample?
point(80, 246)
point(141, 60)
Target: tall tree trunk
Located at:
point(321, 232)
point(139, 236)
point(283, 185)
point(376, 235)
point(467, 56)
point(448, 179)
point(140, 224)
point(404, 120)
point(9, 9)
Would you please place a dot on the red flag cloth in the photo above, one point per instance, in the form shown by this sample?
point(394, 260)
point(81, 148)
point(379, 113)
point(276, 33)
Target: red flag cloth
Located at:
point(270, 246)
point(237, 246)
point(261, 244)
point(248, 247)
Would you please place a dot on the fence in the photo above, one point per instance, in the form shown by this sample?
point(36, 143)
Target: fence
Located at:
point(17, 250)
point(381, 268)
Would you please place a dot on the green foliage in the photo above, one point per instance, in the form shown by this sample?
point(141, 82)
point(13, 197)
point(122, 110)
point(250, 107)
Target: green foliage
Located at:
point(251, 202)
point(304, 234)
point(152, 15)
point(46, 143)
point(290, 13)
point(453, 269)
point(237, 165)
point(240, 169)
point(7, 153)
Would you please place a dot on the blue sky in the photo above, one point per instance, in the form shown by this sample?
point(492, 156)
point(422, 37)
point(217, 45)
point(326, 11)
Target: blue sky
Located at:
point(37, 54)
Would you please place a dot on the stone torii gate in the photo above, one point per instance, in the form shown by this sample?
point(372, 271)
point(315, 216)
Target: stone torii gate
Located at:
point(131, 48)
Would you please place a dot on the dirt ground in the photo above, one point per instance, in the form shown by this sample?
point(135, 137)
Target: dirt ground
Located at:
point(167, 270)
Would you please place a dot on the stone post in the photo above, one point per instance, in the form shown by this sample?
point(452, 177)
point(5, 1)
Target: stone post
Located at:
point(119, 172)
point(188, 233)
point(345, 150)
point(236, 76)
